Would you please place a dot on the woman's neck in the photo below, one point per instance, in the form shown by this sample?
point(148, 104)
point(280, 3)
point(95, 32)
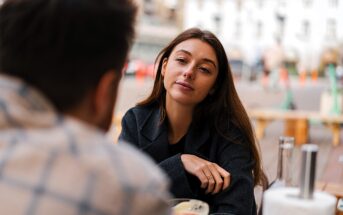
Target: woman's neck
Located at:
point(180, 118)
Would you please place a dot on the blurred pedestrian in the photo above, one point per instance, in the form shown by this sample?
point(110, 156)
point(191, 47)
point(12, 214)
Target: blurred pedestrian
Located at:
point(274, 59)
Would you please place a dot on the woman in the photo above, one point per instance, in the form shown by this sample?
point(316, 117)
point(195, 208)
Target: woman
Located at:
point(195, 127)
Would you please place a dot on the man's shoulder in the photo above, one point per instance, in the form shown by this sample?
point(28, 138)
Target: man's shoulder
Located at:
point(137, 176)
point(141, 166)
point(114, 172)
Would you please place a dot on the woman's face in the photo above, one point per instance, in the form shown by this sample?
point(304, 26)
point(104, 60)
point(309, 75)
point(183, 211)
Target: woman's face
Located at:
point(190, 72)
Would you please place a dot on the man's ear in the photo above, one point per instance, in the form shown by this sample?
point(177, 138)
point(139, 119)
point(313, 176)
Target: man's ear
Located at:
point(164, 65)
point(105, 95)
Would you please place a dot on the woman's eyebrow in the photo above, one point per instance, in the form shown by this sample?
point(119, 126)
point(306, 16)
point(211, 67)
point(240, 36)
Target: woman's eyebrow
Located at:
point(184, 51)
point(210, 61)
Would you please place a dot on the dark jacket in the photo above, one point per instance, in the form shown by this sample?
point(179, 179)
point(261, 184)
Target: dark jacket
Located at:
point(141, 127)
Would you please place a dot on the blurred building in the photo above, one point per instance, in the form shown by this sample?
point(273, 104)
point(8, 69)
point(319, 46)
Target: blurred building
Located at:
point(304, 28)
point(159, 21)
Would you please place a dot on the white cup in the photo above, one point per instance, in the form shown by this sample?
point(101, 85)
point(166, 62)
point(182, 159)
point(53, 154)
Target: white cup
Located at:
point(183, 206)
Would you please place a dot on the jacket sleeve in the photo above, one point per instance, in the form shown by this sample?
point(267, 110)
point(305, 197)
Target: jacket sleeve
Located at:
point(182, 184)
point(239, 197)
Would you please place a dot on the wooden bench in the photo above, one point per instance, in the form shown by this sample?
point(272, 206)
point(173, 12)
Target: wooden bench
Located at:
point(296, 122)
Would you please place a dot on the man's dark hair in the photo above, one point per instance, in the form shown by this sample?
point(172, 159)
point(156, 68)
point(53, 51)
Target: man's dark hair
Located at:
point(63, 47)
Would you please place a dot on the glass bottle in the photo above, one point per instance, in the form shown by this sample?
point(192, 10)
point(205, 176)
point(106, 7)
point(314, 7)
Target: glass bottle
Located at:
point(284, 165)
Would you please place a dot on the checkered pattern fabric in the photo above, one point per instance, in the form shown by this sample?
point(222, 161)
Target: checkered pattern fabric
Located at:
point(54, 164)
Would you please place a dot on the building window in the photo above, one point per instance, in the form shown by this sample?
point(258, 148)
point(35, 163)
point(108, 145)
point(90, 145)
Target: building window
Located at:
point(259, 29)
point(217, 22)
point(306, 29)
point(172, 14)
point(238, 29)
point(331, 29)
point(307, 3)
point(200, 4)
point(148, 8)
point(333, 3)
point(280, 19)
point(171, 6)
point(282, 3)
point(239, 4)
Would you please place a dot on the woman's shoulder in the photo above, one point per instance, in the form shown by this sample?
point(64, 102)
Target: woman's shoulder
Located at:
point(141, 112)
point(231, 136)
point(234, 143)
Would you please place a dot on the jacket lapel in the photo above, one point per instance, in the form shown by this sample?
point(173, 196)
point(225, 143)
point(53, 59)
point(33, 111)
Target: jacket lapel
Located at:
point(151, 128)
point(155, 136)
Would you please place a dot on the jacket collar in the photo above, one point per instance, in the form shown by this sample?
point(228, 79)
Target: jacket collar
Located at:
point(151, 127)
point(155, 131)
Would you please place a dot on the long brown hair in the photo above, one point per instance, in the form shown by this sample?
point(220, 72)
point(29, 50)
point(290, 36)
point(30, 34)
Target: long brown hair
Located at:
point(223, 109)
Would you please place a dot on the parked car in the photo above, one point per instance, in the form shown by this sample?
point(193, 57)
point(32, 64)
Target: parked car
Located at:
point(139, 68)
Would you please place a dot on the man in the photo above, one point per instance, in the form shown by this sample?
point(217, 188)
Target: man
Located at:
point(60, 63)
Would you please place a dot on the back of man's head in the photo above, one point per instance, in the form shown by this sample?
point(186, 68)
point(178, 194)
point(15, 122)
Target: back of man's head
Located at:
point(63, 47)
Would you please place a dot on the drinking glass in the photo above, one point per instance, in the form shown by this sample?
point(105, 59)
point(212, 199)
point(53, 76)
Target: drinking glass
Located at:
point(285, 157)
point(182, 206)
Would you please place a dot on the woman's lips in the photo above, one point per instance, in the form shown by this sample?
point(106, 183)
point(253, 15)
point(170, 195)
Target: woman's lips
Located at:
point(184, 85)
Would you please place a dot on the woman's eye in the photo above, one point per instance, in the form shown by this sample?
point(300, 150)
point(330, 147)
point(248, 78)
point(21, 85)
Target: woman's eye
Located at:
point(205, 70)
point(181, 60)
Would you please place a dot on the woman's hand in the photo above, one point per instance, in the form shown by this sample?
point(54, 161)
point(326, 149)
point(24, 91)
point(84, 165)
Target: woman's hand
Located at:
point(212, 177)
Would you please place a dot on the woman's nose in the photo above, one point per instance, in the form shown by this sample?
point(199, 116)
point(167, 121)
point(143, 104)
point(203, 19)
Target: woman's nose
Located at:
point(189, 73)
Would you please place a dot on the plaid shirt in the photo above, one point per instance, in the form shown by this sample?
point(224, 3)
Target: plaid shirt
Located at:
point(55, 164)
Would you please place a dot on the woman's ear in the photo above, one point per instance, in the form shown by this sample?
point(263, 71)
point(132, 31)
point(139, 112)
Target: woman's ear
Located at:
point(164, 65)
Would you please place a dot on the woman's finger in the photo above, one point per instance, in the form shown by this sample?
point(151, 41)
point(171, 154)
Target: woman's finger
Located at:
point(225, 176)
point(209, 178)
point(212, 177)
point(217, 178)
point(203, 179)
point(211, 183)
point(194, 165)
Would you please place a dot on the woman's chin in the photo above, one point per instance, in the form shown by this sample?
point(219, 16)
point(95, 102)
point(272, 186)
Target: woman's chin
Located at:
point(185, 101)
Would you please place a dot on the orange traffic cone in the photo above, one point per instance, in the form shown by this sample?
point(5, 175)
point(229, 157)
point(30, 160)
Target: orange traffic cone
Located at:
point(314, 76)
point(140, 73)
point(302, 78)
